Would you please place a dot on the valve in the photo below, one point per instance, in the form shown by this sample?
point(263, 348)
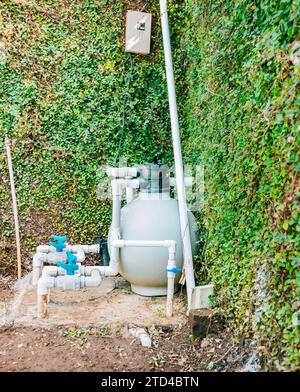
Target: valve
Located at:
point(59, 245)
point(70, 266)
point(175, 270)
point(72, 259)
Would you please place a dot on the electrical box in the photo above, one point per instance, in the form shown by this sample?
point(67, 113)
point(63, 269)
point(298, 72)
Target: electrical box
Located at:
point(138, 32)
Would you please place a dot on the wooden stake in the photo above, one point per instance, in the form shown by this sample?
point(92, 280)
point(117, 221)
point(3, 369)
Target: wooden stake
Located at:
point(15, 207)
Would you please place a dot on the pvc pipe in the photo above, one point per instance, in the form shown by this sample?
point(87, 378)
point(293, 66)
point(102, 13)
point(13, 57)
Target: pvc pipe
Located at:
point(15, 206)
point(113, 268)
point(121, 172)
point(171, 284)
point(47, 253)
point(184, 222)
point(129, 195)
point(171, 245)
point(37, 265)
point(66, 282)
point(45, 249)
point(79, 252)
point(188, 181)
point(55, 271)
point(72, 248)
point(94, 280)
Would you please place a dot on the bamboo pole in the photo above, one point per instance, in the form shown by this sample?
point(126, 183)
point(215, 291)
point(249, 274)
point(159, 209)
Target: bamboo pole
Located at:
point(15, 206)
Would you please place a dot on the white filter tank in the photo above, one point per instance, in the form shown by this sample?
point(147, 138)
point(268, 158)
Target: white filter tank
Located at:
point(152, 216)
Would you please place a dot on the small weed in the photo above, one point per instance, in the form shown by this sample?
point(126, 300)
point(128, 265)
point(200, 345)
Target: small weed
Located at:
point(160, 312)
point(77, 333)
point(104, 332)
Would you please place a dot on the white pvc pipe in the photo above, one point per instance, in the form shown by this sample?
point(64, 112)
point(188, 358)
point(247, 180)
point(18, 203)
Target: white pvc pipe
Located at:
point(121, 172)
point(171, 245)
point(15, 206)
point(72, 248)
point(113, 268)
point(65, 282)
point(183, 212)
point(139, 243)
point(55, 271)
point(129, 195)
point(47, 253)
point(171, 283)
point(188, 181)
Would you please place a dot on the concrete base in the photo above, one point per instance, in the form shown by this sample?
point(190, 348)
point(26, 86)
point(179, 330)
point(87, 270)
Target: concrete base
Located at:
point(112, 303)
point(201, 296)
point(151, 291)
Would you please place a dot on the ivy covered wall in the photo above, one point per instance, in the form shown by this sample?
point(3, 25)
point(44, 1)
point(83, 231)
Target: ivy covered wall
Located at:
point(69, 93)
point(242, 123)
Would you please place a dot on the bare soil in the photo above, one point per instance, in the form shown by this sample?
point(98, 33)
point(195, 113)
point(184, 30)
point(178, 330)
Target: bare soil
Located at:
point(99, 349)
point(106, 345)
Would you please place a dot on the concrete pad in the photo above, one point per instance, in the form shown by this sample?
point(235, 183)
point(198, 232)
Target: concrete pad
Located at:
point(111, 303)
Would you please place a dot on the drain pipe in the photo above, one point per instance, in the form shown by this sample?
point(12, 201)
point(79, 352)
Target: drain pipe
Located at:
point(184, 223)
point(171, 268)
point(65, 282)
point(117, 186)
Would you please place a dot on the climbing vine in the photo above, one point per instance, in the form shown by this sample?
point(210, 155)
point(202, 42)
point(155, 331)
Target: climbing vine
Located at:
point(241, 117)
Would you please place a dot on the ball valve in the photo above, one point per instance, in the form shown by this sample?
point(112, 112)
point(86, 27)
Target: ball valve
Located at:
point(71, 265)
point(59, 245)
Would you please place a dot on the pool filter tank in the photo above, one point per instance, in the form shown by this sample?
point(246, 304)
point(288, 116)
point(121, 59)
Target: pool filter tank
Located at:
point(153, 237)
point(152, 216)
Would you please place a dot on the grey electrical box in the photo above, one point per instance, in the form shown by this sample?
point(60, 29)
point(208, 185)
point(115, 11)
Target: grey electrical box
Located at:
point(138, 32)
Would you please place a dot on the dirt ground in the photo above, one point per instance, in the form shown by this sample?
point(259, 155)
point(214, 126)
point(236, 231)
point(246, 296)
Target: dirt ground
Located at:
point(84, 345)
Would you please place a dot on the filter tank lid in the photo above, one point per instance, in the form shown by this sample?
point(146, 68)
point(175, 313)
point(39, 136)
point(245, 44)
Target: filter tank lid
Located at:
point(154, 178)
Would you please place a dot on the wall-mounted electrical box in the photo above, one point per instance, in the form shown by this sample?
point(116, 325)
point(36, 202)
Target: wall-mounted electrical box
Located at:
point(138, 32)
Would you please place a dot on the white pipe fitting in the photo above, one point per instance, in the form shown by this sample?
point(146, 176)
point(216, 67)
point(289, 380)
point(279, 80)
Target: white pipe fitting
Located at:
point(171, 245)
point(78, 251)
point(171, 283)
point(45, 249)
point(188, 181)
point(66, 282)
point(121, 172)
point(37, 265)
point(47, 253)
point(53, 271)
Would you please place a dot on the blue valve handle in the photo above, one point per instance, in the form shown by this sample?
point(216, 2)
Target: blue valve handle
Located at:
point(72, 259)
point(59, 245)
point(70, 268)
point(174, 269)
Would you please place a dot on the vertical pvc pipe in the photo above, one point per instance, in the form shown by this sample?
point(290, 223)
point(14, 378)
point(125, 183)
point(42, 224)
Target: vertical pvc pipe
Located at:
point(183, 213)
point(15, 207)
